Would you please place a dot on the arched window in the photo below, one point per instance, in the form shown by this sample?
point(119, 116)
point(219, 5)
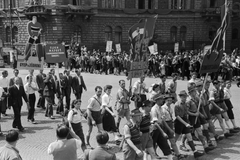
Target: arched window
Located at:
point(118, 34)
point(151, 4)
point(108, 33)
point(183, 32)
point(235, 33)
point(141, 4)
point(77, 35)
point(212, 33)
point(8, 34)
point(15, 34)
point(173, 33)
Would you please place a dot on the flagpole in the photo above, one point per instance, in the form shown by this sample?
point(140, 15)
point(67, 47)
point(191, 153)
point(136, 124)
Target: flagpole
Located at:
point(10, 14)
point(224, 35)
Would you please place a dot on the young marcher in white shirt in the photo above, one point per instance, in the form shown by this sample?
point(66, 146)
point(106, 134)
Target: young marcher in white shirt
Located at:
point(30, 87)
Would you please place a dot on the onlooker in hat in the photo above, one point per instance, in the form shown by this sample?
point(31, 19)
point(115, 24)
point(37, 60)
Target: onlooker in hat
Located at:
point(122, 103)
point(218, 107)
point(167, 116)
point(139, 90)
point(158, 135)
point(64, 148)
point(146, 138)
point(107, 112)
point(181, 123)
point(227, 97)
point(132, 147)
point(101, 152)
point(9, 150)
point(196, 118)
point(172, 87)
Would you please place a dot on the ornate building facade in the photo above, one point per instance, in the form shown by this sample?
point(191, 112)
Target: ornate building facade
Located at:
point(192, 23)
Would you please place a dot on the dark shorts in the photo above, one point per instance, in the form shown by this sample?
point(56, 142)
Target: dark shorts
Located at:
point(181, 128)
point(170, 124)
point(230, 107)
point(192, 120)
point(97, 117)
point(214, 110)
point(143, 98)
point(31, 40)
point(146, 140)
point(207, 111)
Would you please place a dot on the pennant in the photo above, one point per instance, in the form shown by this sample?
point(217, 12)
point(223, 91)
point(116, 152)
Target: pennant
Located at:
point(17, 13)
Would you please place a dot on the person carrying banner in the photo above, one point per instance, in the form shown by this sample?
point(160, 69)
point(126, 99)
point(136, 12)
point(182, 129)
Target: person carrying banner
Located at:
point(139, 90)
point(34, 29)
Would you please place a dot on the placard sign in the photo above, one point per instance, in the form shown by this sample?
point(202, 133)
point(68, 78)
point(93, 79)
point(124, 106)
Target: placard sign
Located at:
point(55, 53)
point(33, 63)
point(109, 46)
point(176, 47)
point(118, 48)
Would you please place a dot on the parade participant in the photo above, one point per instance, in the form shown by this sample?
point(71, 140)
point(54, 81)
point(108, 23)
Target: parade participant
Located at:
point(181, 123)
point(30, 88)
point(40, 82)
point(158, 135)
point(48, 93)
point(64, 148)
point(108, 120)
point(172, 87)
point(218, 108)
point(101, 152)
point(75, 121)
point(122, 103)
point(167, 117)
point(227, 97)
point(145, 126)
point(2, 94)
point(16, 93)
point(194, 114)
point(155, 90)
point(34, 29)
point(61, 87)
point(54, 82)
point(4, 83)
point(162, 84)
point(9, 150)
point(31, 71)
point(132, 147)
point(94, 113)
point(78, 85)
point(67, 91)
point(16, 73)
point(139, 90)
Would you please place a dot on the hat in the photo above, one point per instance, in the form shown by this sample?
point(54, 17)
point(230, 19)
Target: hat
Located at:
point(102, 138)
point(191, 88)
point(135, 112)
point(168, 96)
point(146, 103)
point(183, 93)
point(215, 82)
point(158, 96)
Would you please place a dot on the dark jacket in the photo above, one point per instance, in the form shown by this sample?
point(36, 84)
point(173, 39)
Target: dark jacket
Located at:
point(49, 89)
point(16, 95)
point(68, 84)
point(40, 81)
point(11, 81)
point(75, 85)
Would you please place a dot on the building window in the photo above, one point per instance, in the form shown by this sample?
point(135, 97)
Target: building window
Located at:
point(15, 34)
point(212, 33)
point(8, 34)
point(108, 33)
point(173, 33)
point(213, 3)
point(151, 4)
point(111, 4)
point(118, 34)
point(77, 35)
point(77, 2)
point(178, 4)
point(183, 32)
point(141, 4)
point(235, 33)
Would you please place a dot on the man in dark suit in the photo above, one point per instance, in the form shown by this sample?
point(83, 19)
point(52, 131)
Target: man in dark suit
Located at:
point(16, 93)
point(40, 82)
point(48, 93)
point(78, 85)
point(11, 81)
point(54, 81)
point(61, 87)
point(68, 79)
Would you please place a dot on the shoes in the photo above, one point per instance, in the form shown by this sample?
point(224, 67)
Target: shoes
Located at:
point(1, 134)
point(218, 138)
point(44, 108)
point(228, 135)
point(207, 149)
point(198, 154)
point(233, 131)
point(51, 117)
point(57, 112)
point(237, 128)
point(184, 148)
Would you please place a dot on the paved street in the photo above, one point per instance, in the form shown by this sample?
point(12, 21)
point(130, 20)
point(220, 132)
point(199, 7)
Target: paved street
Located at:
point(34, 142)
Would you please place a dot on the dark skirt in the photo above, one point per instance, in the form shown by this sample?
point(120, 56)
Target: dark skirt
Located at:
point(109, 122)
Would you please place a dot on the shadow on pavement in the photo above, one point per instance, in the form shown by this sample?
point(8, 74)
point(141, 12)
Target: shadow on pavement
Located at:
point(36, 128)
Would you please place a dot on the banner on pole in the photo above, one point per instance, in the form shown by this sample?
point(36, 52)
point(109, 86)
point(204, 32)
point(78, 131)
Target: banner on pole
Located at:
point(118, 48)
point(155, 47)
point(176, 47)
point(109, 46)
point(55, 53)
point(137, 69)
point(33, 63)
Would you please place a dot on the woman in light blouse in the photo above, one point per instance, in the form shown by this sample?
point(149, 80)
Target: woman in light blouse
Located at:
point(227, 97)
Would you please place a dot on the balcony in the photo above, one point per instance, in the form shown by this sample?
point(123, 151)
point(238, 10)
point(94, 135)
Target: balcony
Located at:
point(38, 10)
point(78, 11)
point(211, 12)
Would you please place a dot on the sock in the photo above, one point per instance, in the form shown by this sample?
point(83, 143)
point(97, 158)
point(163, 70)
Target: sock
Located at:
point(191, 144)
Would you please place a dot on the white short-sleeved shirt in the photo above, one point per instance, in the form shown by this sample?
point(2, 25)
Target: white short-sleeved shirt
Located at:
point(167, 112)
point(138, 87)
point(95, 103)
point(28, 89)
point(4, 82)
point(156, 114)
point(75, 116)
point(106, 100)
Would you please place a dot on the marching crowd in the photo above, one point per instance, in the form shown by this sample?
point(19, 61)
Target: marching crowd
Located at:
point(150, 125)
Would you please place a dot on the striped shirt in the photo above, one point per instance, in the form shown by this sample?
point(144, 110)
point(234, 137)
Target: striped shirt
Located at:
point(135, 133)
point(145, 124)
